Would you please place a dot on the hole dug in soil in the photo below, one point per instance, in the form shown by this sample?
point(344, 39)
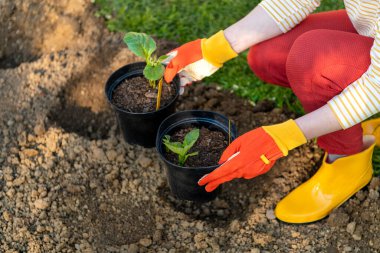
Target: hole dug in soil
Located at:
point(32, 28)
point(21, 37)
point(83, 108)
point(16, 48)
point(81, 120)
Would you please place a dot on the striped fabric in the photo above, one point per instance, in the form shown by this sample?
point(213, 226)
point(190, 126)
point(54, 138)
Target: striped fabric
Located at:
point(361, 99)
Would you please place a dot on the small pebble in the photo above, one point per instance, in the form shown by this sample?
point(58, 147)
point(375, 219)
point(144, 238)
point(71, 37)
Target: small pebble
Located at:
point(30, 152)
point(199, 226)
point(351, 227)
point(373, 194)
point(347, 248)
point(41, 204)
point(111, 155)
point(295, 234)
point(270, 214)
point(133, 248)
point(146, 242)
point(356, 237)
point(7, 216)
point(145, 162)
point(157, 235)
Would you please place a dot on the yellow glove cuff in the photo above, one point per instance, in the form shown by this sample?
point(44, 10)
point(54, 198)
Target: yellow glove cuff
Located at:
point(217, 50)
point(287, 135)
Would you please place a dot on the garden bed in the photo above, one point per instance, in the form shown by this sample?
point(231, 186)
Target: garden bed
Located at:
point(70, 184)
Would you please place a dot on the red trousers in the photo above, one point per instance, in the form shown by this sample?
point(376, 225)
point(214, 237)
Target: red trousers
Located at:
point(317, 60)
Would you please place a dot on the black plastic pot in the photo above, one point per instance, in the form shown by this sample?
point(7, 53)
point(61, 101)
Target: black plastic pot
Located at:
point(183, 181)
point(138, 128)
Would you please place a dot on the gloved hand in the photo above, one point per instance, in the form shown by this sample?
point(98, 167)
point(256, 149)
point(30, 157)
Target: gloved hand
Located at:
point(254, 153)
point(198, 59)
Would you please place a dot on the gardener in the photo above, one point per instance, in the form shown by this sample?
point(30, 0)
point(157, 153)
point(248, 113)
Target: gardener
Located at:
point(331, 61)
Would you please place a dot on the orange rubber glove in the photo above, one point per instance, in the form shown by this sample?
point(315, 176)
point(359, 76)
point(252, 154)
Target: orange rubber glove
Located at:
point(198, 59)
point(254, 153)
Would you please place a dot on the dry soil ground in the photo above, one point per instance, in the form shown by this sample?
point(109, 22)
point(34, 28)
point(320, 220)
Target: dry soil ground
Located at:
point(68, 183)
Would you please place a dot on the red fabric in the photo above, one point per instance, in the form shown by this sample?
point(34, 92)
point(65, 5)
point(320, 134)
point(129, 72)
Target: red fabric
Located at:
point(317, 60)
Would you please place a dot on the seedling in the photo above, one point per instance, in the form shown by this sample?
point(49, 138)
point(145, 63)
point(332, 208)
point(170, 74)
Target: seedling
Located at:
point(144, 46)
point(181, 149)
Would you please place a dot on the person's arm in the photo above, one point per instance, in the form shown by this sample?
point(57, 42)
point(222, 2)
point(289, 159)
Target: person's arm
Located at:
point(201, 58)
point(254, 28)
point(269, 19)
point(319, 122)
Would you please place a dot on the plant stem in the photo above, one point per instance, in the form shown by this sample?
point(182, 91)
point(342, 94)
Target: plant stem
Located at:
point(159, 94)
point(181, 162)
point(229, 131)
point(152, 83)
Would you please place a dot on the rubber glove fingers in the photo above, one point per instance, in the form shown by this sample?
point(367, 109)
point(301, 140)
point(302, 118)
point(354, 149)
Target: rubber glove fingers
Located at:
point(250, 155)
point(231, 151)
point(181, 57)
point(223, 170)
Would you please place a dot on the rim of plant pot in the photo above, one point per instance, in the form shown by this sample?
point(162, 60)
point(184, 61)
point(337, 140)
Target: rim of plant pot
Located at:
point(121, 74)
point(160, 135)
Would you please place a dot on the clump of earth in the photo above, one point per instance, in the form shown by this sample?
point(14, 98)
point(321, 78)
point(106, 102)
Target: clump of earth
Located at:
point(69, 183)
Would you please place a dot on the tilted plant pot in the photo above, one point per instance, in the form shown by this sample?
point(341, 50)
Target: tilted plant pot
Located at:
point(138, 128)
point(183, 181)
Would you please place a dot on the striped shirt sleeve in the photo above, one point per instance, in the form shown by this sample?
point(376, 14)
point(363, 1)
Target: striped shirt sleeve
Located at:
point(287, 14)
point(361, 99)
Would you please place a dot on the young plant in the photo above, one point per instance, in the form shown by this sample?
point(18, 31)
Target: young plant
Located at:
point(181, 149)
point(144, 46)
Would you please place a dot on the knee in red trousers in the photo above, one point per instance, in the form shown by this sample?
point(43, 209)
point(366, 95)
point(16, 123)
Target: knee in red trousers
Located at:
point(316, 73)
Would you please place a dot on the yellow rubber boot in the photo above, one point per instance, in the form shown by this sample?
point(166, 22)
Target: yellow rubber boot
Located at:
point(330, 187)
point(372, 127)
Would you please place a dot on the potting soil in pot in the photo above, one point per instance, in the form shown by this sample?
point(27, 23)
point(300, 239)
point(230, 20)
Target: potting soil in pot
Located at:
point(210, 146)
point(136, 95)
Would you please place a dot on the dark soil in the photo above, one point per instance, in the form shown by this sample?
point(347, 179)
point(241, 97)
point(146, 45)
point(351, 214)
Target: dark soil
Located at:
point(210, 146)
point(109, 220)
point(136, 95)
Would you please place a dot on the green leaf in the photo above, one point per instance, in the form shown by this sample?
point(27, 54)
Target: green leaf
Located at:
point(135, 43)
point(150, 46)
point(162, 58)
point(192, 154)
point(154, 72)
point(175, 147)
point(191, 137)
point(182, 148)
point(140, 44)
point(188, 155)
